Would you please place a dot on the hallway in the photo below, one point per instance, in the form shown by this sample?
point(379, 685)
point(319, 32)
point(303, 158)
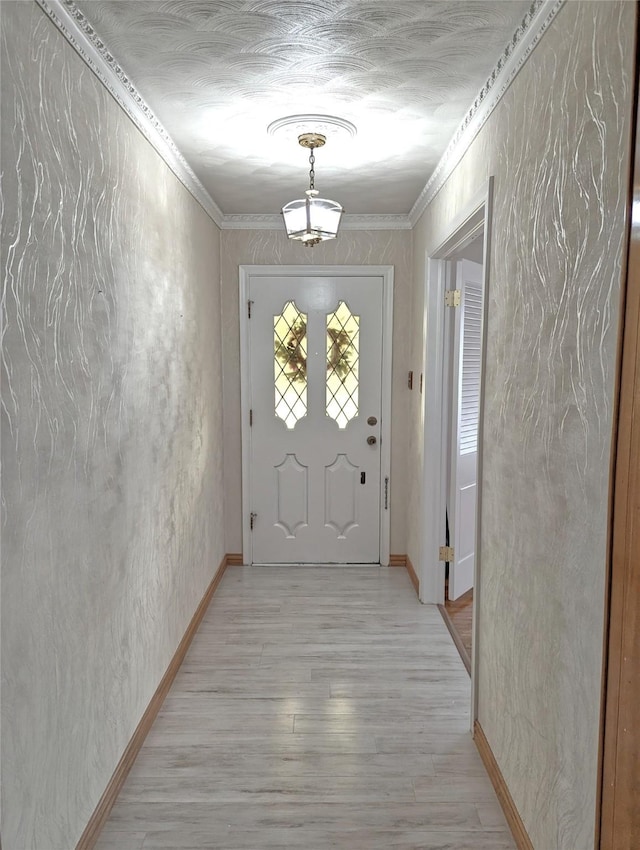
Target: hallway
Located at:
point(319, 708)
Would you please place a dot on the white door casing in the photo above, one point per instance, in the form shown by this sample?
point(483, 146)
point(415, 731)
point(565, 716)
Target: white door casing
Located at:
point(476, 215)
point(465, 411)
point(312, 484)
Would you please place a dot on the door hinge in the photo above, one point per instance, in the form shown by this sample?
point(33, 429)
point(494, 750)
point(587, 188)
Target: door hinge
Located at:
point(250, 418)
point(386, 493)
point(252, 520)
point(453, 297)
point(249, 303)
point(446, 554)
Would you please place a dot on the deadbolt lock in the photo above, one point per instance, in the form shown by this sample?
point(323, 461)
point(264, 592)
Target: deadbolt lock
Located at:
point(372, 420)
point(371, 440)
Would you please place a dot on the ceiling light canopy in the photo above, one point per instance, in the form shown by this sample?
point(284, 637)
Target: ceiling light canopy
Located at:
point(312, 219)
point(291, 127)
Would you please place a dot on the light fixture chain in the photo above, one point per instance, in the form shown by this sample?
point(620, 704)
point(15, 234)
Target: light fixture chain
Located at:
point(312, 173)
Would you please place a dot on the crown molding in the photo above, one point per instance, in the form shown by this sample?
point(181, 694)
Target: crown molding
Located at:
point(532, 27)
point(237, 221)
point(268, 221)
point(87, 43)
point(375, 222)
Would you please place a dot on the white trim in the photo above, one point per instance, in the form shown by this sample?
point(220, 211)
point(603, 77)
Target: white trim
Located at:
point(430, 569)
point(245, 406)
point(87, 43)
point(478, 213)
point(386, 272)
point(269, 221)
point(533, 26)
point(257, 221)
point(385, 433)
point(486, 256)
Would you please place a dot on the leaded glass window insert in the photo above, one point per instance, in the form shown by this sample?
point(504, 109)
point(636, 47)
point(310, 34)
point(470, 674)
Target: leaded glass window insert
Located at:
point(343, 348)
point(290, 364)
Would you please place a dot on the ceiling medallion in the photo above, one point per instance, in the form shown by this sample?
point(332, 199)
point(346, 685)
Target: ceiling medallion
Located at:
point(291, 127)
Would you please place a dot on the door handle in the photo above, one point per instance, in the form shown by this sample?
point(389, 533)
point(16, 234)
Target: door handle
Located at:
point(371, 440)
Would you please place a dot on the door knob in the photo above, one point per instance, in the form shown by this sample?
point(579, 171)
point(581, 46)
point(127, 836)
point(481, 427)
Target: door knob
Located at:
point(371, 440)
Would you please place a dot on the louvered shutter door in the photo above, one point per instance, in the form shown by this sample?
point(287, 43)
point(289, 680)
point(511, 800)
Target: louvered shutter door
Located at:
point(471, 354)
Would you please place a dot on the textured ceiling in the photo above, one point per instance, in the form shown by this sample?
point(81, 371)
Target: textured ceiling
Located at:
point(217, 72)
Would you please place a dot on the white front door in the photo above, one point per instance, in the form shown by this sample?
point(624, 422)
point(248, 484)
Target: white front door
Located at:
point(315, 377)
point(467, 363)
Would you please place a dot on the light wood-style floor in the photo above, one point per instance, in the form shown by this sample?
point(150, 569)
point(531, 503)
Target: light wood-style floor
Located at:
point(458, 617)
point(318, 707)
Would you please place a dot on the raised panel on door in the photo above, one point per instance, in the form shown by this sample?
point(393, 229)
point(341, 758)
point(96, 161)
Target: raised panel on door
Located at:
point(341, 496)
point(315, 372)
point(292, 496)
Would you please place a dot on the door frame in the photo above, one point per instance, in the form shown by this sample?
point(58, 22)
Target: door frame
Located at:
point(476, 215)
point(618, 817)
point(386, 273)
point(449, 391)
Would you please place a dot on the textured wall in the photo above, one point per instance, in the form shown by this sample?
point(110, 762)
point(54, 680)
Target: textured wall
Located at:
point(350, 248)
point(111, 429)
point(558, 147)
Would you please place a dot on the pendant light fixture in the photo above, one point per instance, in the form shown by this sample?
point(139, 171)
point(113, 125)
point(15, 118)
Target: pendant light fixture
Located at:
point(312, 219)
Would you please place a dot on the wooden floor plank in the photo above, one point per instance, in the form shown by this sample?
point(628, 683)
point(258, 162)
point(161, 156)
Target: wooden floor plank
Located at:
point(318, 708)
point(458, 617)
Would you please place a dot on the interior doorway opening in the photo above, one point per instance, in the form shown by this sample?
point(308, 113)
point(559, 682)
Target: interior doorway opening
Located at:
point(456, 299)
point(462, 374)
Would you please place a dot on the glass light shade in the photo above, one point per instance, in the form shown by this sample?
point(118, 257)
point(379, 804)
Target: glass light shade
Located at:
point(312, 219)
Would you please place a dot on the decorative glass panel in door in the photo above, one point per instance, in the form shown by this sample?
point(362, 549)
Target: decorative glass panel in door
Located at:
point(290, 364)
point(343, 349)
point(315, 394)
